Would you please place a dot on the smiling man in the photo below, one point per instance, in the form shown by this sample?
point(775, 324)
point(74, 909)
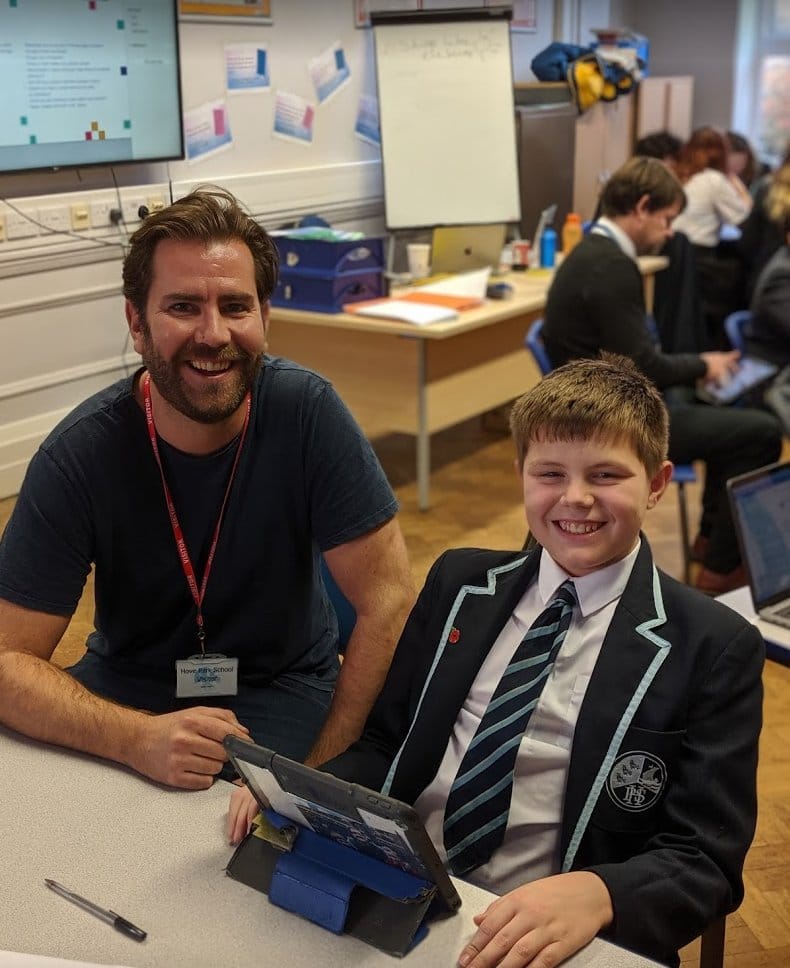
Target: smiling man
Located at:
point(596, 302)
point(203, 491)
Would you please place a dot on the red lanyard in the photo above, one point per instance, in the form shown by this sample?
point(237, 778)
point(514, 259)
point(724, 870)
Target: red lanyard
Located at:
point(198, 594)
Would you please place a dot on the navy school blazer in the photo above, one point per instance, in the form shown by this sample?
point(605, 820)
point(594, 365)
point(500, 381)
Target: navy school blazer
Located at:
point(661, 796)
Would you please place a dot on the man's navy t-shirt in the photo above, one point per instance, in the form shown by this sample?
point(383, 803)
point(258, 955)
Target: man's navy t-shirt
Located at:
point(307, 481)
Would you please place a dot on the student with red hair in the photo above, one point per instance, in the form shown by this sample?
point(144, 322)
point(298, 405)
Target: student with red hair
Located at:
point(714, 198)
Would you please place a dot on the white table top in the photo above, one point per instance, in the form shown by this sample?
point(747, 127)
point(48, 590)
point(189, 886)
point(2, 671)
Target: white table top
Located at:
point(740, 601)
point(157, 856)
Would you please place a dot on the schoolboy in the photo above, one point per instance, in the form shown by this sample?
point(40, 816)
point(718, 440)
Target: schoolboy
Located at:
point(633, 799)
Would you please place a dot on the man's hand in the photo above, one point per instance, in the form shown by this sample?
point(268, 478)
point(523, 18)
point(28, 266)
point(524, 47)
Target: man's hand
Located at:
point(184, 749)
point(242, 810)
point(540, 924)
point(720, 366)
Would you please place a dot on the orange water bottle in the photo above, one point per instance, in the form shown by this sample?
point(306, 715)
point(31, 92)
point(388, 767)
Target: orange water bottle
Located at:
point(571, 232)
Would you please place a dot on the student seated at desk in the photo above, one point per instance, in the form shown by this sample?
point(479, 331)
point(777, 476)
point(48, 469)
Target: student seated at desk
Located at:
point(624, 805)
point(203, 489)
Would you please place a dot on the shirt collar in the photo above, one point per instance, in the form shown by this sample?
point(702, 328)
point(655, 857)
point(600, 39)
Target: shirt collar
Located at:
point(592, 591)
point(605, 226)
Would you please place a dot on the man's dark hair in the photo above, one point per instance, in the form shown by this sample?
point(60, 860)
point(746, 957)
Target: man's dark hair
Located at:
point(639, 177)
point(659, 144)
point(206, 215)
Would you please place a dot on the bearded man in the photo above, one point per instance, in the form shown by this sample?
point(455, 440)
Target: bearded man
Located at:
point(203, 491)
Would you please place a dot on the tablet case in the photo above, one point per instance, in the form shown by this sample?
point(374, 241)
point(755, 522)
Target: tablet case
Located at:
point(332, 885)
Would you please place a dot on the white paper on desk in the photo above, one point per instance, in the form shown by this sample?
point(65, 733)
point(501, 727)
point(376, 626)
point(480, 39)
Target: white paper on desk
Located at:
point(421, 314)
point(12, 959)
point(472, 283)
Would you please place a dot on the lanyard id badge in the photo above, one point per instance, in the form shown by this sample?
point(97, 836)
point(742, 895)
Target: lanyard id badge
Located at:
point(207, 675)
point(204, 674)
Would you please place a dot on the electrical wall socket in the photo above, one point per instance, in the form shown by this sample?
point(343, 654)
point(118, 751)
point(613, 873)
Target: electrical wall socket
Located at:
point(130, 207)
point(100, 214)
point(80, 217)
point(2, 228)
point(19, 227)
point(56, 219)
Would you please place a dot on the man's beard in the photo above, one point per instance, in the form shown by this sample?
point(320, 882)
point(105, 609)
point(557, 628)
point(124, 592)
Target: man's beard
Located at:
point(217, 401)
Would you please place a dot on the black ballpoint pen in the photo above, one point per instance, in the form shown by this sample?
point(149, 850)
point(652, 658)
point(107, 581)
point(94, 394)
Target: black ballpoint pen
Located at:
point(119, 923)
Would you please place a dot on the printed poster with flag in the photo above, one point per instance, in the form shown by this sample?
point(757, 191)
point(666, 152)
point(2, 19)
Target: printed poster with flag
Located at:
point(207, 130)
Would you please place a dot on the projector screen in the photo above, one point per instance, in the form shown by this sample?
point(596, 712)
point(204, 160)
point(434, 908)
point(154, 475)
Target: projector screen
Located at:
point(88, 82)
point(448, 129)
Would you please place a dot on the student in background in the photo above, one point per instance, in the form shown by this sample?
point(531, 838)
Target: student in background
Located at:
point(768, 336)
point(761, 234)
point(741, 159)
point(596, 302)
point(714, 198)
point(662, 145)
point(768, 333)
point(677, 309)
point(624, 804)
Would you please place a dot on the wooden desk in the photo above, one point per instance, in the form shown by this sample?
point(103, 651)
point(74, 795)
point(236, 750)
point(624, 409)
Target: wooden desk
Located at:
point(158, 857)
point(396, 377)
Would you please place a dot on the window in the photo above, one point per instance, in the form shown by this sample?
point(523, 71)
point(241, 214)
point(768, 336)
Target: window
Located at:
point(761, 103)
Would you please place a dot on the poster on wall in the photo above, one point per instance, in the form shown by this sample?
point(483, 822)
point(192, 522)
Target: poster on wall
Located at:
point(293, 118)
point(328, 72)
point(525, 16)
point(207, 130)
point(367, 123)
point(246, 68)
point(231, 11)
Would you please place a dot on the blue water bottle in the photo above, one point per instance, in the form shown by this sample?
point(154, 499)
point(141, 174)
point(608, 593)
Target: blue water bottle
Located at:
point(548, 248)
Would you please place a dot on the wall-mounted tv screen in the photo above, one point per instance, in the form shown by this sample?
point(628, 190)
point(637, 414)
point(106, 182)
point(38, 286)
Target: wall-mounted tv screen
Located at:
point(88, 82)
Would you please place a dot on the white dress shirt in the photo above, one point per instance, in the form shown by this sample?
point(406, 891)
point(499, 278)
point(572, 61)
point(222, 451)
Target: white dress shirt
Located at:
point(605, 226)
point(530, 849)
point(711, 201)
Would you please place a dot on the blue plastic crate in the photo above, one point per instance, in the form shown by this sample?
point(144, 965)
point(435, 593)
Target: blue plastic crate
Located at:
point(323, 258)
point(327, 293)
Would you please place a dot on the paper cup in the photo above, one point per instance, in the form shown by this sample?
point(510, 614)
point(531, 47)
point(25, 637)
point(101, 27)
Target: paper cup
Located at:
point(419, 256)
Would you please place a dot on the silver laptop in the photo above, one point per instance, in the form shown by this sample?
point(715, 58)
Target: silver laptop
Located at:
point(461, 248)
point(760, 502)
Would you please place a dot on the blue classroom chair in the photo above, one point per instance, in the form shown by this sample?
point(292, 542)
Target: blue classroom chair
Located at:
point(735, 326)
point(344, 610)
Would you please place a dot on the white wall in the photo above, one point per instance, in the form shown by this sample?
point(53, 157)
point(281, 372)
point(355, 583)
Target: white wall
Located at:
point(61, 311)
point(696, 38)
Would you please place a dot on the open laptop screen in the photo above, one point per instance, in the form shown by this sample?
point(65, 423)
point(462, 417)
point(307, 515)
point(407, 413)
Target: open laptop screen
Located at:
point(761, 508)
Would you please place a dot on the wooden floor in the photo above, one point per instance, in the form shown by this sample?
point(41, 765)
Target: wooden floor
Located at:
point(476, 503)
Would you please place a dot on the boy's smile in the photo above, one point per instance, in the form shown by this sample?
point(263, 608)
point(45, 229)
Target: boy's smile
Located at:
point(586, 499)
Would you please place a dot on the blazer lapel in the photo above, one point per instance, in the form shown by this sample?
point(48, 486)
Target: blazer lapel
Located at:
point(631, 654)
point(475, 618)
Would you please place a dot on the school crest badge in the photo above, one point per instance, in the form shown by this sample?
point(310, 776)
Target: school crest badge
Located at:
point(636, 781)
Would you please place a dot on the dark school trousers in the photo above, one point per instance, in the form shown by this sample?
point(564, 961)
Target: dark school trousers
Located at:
point(730, 440)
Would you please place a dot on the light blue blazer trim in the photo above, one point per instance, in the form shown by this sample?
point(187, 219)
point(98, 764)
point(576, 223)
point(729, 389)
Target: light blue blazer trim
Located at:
point(663, 647)
point(488, 589)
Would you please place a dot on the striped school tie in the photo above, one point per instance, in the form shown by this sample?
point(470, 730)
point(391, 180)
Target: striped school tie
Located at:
point(475, 817)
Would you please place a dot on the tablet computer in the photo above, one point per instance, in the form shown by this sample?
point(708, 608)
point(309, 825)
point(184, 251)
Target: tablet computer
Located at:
point(751, 373)
point(349, 814)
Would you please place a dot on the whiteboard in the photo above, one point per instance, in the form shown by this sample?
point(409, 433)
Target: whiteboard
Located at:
point(447, 118)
